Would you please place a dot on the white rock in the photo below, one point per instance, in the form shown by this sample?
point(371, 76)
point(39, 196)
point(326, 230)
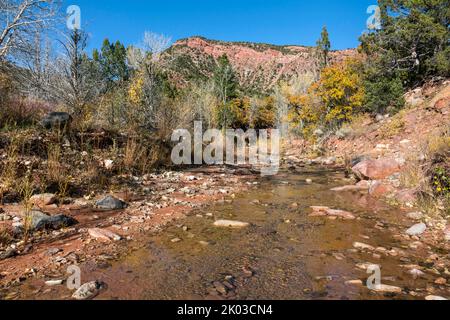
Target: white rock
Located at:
point(230, 224)
point(87, 291)
point(416, 273)
point(435, 298)
point(417, 230)
point(53, 282)
point(108, 164)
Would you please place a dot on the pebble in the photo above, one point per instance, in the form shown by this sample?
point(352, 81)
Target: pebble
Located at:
point(441, 281)
point(175, 240)
point(53, 282)
point(354, 283)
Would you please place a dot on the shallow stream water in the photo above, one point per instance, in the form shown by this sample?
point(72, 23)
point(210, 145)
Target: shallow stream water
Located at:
point(284, 254)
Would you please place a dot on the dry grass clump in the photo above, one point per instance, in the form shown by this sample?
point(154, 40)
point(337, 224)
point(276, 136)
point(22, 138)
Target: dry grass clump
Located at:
point(9, 170)
point(26, 190)
point(358, 126)
point(394, 126)
point(5, 237)
point(430, 175)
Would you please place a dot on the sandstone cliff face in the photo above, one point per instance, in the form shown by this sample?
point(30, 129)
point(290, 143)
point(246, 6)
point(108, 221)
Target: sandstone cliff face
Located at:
point(259, 66)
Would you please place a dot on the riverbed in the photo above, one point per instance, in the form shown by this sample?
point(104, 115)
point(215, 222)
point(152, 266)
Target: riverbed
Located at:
point(283, 254)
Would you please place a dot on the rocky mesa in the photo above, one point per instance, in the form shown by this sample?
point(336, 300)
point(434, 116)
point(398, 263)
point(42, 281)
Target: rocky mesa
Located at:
point(258, 66)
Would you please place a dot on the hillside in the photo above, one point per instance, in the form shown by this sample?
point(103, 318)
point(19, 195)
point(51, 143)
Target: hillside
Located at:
point(259, 66)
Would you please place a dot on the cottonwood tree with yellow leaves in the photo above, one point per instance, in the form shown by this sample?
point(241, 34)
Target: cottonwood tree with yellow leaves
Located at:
point(331, 101)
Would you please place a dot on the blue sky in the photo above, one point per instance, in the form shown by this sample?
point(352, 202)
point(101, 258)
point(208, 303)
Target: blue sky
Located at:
point(269, 21)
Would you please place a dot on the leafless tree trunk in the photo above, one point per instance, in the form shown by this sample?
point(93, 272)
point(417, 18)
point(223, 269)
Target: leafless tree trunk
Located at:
point(21, 21)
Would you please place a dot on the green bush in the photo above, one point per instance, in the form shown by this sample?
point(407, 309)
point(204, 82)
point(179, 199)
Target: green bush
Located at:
point(383, 95)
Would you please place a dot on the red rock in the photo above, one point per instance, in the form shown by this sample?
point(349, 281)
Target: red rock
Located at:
point(376, 169)
point(379, 189)
point(442, 103)
point(406, 196)
point(42, 200)
point(325, 211)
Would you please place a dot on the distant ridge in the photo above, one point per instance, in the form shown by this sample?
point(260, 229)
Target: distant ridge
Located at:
point(259, 66)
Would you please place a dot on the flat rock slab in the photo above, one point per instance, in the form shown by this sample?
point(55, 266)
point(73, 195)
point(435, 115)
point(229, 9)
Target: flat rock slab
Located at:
point(319, 211)
point(384, 288)
point(360, 186)
point(103, 235)
point(231, 224)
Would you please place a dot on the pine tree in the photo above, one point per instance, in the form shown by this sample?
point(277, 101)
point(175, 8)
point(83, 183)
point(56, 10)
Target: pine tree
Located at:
point(112, 60)
point(413, 42)
point(225, 80)
point(323, 48)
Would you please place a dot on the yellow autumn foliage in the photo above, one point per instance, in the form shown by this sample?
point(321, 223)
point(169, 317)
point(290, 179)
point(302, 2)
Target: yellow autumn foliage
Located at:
point(331, 101)
point(135, 91)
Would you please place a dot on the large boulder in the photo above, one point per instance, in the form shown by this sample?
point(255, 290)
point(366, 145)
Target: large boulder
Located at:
point(56, 222)
point(58, 120)
point(40, 221)
point(376, 169)
point(110, 203)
